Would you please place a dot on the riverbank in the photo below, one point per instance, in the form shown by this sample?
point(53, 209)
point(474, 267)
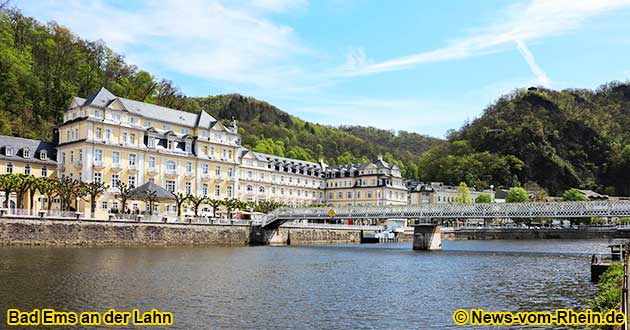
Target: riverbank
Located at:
point(471, 233)
point(63, 232)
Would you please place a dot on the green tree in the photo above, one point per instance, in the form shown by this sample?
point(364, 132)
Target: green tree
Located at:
point(8, 183)
point(180, 199)
point(483, 198)
point(463, 194)
point(517, 195)
point(231, 204)
point(215, 204)
point(93, 190)
point(573, 195)
point(123, 195)
point(196, 202)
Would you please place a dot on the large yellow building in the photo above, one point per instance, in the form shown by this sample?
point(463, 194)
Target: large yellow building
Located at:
point(112, 139)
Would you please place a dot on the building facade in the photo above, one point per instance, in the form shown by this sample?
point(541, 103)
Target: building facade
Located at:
point(115, 140)
point(438, 193)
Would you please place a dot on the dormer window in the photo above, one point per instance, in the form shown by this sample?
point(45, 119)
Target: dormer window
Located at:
point(43, 155)
point(151, 142)
point(170, 144)
point(188, 146)
point(26, 153)
point(8, 151)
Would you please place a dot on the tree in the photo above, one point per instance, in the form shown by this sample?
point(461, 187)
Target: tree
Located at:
point(231, 205)
point(93, 190)
point(517, 195)
point(124, 193)
point(68, 189)
point(196, 202)
point(266, 206)
point(180, 199)
point(463, 194)
point(48, 187)
point(150, 198)
point(573, 195)
point(215, 204)
point(8, 184)
point(24, 183)
point(483, 198)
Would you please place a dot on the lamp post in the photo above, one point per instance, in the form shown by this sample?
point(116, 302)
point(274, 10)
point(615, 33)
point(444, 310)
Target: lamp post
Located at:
point(491, 193)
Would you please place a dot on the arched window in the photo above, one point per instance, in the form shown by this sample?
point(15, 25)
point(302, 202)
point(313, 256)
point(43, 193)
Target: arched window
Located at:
point(261, 189)
point(250, 188)
point(170, 166)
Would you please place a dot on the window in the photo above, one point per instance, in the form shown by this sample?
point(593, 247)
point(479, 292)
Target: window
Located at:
point(166, 127)
point(115, 157)
point(27, 169)
point(330, 195)
point(188, 188)
point(132, 159)
point(273, 190)
point(8, 151)
point(250, 188)
point(229, 191)
point(151, 142)
point(218, 170)
point(97, 113)
point(230, 171)
point(104, 205)
point(44, 171)
point(170, 144)
point(217, 190)
point(26, 153)
point(132, 138)
point(108, 134)
point(262, 176)
point(204, 168)
point(71, 156)
point(98, 155)
point(152, 162)
point(188, 167)
point(98, 133)
point(369, 194)
point(170, 166)
point(43, 155)
point(204, 189)
point(67, 135)
point(131, 181)
point(211, 151)
point(132, 120)
point(170, 185)
point(124, 137)
point(115, 180)
point(76, 133)
point(98, 177)
point(349, 194)
point(281, 191)
point(224, 152)
point(147, 124)
point(80, 155)
point(184, 131)
point(261, 189)
point(188, 146)
point(339, 195)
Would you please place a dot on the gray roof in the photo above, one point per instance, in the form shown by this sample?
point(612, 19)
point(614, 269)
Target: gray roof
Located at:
point(286, 161)
point(34, 146)
point(103, 98)
point(354, 167)
point(141, 192)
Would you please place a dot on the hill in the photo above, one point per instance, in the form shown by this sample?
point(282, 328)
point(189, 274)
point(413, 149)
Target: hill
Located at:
point(43, 66)
point(557, 139)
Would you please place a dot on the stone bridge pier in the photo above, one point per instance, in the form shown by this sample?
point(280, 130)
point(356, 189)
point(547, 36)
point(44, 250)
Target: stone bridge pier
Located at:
point(427, 237)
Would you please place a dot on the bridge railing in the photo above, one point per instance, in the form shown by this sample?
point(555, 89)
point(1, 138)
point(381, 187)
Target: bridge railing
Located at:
point(495, 210)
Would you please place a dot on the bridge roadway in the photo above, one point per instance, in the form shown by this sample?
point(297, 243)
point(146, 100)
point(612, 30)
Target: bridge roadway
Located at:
point(425, 213)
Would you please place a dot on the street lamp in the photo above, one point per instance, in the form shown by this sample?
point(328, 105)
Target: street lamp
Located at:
point(491, 193)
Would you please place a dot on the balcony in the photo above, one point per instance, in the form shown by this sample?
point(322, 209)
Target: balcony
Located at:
point(152, 170)
point(98, 164)
point(132, 168)
point(190, 174)
point(205, 176)
point(171, 172)
point(116, 167)
point(77, 164)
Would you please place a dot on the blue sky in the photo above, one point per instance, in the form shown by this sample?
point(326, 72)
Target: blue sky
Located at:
point(422, 66)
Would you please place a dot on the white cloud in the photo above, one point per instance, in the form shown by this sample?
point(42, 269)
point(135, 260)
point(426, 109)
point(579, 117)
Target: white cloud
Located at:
point(235, 42)
point(536, 20)
point(541, 76)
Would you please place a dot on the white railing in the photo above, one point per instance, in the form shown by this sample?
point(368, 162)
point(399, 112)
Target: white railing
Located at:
point(461, 211)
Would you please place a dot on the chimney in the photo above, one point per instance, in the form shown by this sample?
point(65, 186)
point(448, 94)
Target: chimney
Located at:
point(380, 157)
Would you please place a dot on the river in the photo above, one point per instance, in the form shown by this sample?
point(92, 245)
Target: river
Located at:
point(380, 286)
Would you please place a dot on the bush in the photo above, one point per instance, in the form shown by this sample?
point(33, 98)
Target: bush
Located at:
point(609, 289)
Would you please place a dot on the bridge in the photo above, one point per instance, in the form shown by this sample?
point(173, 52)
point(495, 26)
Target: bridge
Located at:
point(427, 233)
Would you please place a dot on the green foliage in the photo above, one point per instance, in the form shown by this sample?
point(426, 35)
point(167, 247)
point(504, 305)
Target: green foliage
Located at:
point(483, 198)
point(623, 220)
point(609, 289)
point(573, 195)
point(463, 194)
point(517, 195)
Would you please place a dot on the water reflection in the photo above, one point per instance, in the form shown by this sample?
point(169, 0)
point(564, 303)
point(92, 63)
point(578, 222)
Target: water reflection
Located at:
point(308, 287)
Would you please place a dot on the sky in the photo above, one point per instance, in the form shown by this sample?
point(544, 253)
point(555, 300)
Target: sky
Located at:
point(420, 66)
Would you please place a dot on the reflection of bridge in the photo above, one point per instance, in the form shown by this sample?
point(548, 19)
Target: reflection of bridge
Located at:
point(428, 213)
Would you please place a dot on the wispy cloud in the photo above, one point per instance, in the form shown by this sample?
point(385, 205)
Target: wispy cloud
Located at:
point(519, 23)
point(541, 76)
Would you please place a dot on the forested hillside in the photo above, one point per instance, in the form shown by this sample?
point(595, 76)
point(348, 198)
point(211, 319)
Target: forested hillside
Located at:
point(43, 66)
point(558, 139)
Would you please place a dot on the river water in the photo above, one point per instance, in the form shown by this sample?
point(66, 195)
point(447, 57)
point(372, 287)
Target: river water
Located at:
point(380, 286)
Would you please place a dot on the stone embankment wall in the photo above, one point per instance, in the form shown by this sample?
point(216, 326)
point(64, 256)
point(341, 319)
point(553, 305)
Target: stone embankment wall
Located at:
point(97, 233)
point(543, 233)
point(59, 232)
